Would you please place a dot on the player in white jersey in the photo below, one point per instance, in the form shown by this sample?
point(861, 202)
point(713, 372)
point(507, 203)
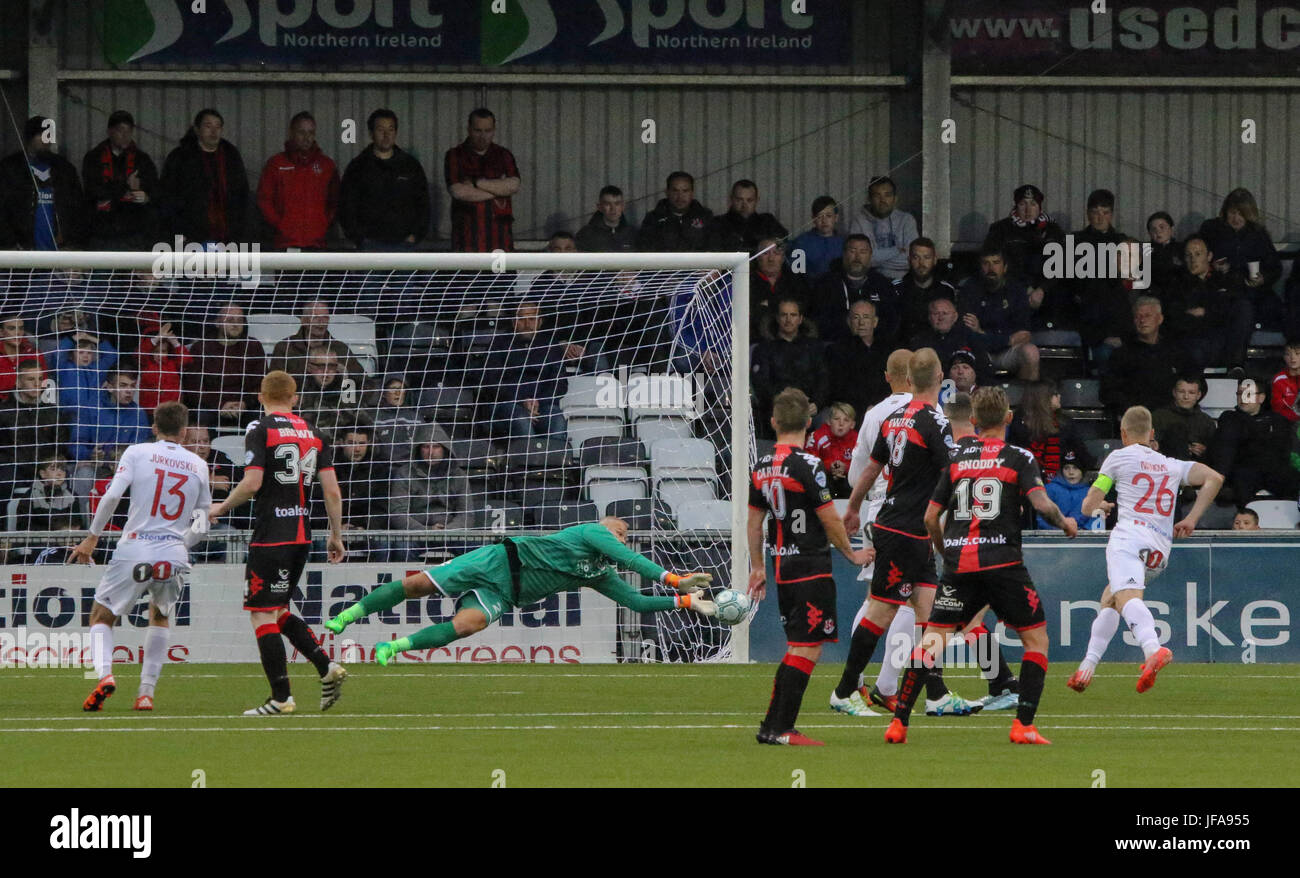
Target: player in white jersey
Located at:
point(170, 497)
point(899, 639)
point(1146, 484)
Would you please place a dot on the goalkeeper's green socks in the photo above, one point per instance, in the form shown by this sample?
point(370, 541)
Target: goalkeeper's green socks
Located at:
point(385, 597)
point(426, 638)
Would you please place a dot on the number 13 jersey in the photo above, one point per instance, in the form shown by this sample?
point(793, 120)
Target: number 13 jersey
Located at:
point(1147, 485)
point(290, 452)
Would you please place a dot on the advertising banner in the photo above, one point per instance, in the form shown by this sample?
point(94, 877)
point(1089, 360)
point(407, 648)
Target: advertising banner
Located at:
point(1223, 601)
point(331, 33)
point(47, 607)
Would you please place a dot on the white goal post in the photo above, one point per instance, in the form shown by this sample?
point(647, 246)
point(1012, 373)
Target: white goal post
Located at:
point(49, 283)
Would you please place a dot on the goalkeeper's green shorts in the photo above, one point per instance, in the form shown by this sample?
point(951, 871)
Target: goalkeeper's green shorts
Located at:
point(478, 580)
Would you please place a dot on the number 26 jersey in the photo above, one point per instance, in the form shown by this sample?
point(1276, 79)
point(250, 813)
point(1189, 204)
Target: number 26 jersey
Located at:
point(1147, 484)
point(290, 452)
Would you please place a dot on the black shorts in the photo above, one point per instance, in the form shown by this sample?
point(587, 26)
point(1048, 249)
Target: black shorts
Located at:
point(902, 563)
point(1008, 591)
point(808, 610)
point(270, 573)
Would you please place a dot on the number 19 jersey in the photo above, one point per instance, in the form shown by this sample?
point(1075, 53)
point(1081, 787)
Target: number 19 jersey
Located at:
point(1147, 485)
point(290, 452)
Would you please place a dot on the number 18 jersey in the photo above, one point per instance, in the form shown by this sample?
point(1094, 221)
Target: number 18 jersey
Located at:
point(290, 452)
point(1147, 485)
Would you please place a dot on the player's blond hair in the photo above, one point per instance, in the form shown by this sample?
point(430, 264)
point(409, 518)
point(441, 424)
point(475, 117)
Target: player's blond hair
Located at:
point(790, 410)
point(279, 386)
point(924, 370)
point(1137, 423)
point(990, 407)
point(896, 365)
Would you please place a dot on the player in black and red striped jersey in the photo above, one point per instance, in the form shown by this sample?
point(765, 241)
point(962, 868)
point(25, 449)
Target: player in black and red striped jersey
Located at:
point(284, 455)
point(790, 487)
point(916, 443)
point(983, 563)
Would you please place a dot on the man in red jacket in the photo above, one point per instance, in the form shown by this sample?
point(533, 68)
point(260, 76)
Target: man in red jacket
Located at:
point(299, 190)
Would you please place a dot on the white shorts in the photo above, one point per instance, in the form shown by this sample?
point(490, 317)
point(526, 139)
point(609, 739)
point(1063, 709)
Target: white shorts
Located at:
point(1132, 562)
point(126, 581)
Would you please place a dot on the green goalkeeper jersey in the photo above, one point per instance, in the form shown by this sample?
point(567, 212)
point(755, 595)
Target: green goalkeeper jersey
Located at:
point(582, 555)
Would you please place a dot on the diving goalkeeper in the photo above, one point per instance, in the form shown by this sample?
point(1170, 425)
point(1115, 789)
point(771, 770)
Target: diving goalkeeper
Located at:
point(517, 572)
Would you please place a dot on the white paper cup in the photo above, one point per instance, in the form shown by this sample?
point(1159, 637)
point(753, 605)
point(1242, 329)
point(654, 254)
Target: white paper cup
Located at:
point(1253, 268)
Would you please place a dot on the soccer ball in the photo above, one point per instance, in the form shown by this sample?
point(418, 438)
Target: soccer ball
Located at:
point(733, 606)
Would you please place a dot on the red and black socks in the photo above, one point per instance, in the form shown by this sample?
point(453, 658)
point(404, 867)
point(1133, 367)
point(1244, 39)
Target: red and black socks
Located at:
point(274, 661)
point(787, 693)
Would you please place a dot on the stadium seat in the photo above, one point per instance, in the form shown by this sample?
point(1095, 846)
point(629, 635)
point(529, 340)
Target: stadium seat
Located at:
point(230, 447)
point(651, 430)
point(611, 451)
point(682, 459)
point(658, 396)
point(603, 494)
point(612, 474)
point(449, 405)
point(1086, 427)
point(271, 329)
point(536, 499)
point(1276, 514)
point(677, 494)
point(583, 430)
point(11, 508)
point(585, 396)
point(538, 458)
point(639, 515)
point(488, 517)
point(358, 333)
point(1099, 448)
point(1080, 393)
point(567, 514)
point(1220, 396)
point(1060, 353)
point(705, 515)
point(1015, 392)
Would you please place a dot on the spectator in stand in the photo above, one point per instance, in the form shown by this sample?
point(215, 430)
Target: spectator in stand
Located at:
point(1166, 253)
point(1245, 519)
point(1183, 430)
point(962, 371)
point(222, 476)
point(291, 353)
point(703, 343)
point(889, 230)
point(118, 421)
point(1209, 312)
point(107, 470)
point(204, 186)
point(1251, 448)
point(396, 419)
point(162, 360)
point(121, 185)
point(1067, 490)
point(28, 429)
point(1286, 384)
point(947, 335)
point(384, 197)
point(820, 245)
point(61, 327)
point(83, 370)
point(850, 279)
point(769, 283)
point(857, 363)
point(1040, 428)
point(222, 381)
point(833, 444)
point(742, 226)
point(793, 358)
point(1242, 247)
point(51, 504)
point(1142, 372)
point(329, 395)
point(41, 203)
point(995, 307)
point(1102, 303)
point(579, 329)
point(16, 348)
point(299, 190)
point(524, 380)
point(365, 486)
point(915, 290)
point(481, 177)
point(1021, 238)
point(678, 223)
point(429, 490)
point(608, 230)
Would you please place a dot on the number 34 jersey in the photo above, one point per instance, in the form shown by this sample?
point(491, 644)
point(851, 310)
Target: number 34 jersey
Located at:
point(290, 452)
point(981, 490)
point(791, 485)
point(1147, 484)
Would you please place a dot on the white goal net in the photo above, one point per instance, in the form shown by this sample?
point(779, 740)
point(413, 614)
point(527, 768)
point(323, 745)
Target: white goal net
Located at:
point(467, 398)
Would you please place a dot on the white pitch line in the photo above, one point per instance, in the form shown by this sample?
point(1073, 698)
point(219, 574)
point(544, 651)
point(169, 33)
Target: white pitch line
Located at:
point(311, 717)
point(631, 728)
point(666, 675)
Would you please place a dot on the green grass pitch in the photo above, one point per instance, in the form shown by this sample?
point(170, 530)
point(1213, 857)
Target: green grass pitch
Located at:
point(635, 725)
